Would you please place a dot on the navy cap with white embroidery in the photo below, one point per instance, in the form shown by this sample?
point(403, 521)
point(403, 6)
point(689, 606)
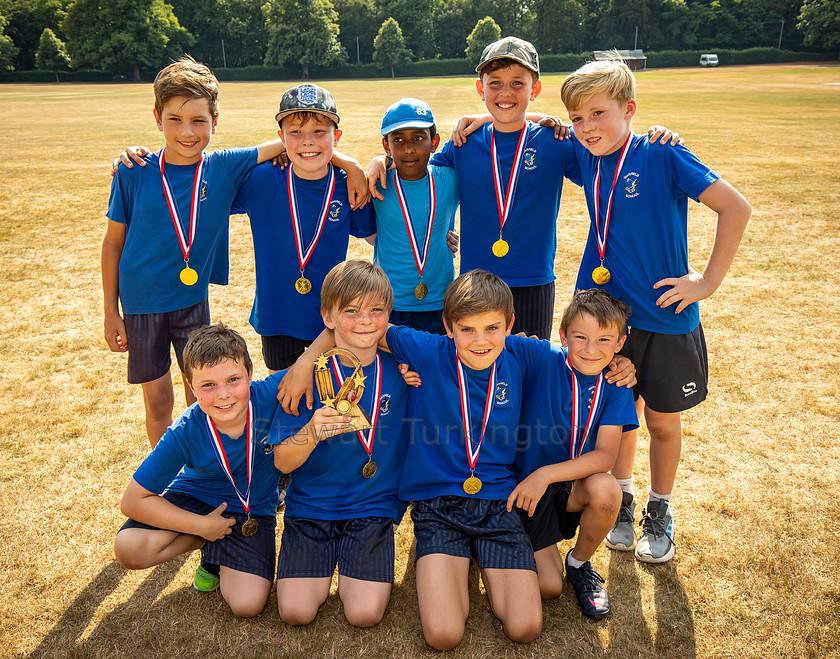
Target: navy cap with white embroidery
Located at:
point(407, 113)
point(307, 98)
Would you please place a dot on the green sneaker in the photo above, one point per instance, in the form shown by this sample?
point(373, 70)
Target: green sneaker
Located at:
point(205, 581)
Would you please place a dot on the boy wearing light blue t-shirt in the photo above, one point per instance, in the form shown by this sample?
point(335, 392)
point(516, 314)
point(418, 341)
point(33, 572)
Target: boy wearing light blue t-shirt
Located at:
point(414, 217)
point(342, 503)
point(210, 482)
point(165, 223)
point(637, 250)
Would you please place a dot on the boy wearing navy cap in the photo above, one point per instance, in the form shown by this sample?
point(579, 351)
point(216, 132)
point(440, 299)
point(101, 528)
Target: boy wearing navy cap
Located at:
point(415, 217)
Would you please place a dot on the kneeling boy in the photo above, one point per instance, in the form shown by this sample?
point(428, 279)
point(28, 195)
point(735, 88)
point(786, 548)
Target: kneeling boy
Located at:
point(571, 426)
point(224, 500)
point(342, 503)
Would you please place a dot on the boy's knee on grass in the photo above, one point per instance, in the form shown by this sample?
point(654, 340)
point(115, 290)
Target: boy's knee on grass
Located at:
point(364, 614)
point(443, 635)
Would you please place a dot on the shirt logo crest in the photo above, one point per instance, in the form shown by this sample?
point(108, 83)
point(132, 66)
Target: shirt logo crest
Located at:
point(501, 394)
point(631, 185)
point(384, 404)
point(529, 159)
point(335, 210)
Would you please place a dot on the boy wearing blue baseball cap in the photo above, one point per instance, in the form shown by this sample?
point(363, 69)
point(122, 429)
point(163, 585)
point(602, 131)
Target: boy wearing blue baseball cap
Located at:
point(415, 217)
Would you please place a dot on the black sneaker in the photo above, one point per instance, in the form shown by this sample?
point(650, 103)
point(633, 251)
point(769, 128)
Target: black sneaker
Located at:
point(592, 597)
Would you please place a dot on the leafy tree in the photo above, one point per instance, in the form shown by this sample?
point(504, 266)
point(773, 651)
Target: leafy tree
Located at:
point(26, 20)
point(121, 35)
point(416, 19)
point(554, 25)
point(389, 46)
point(453, 22)
point(51, 55)
point(484, 33)
point(7, 48)
point(303, 32)
point(357, 19)
point(820, 21)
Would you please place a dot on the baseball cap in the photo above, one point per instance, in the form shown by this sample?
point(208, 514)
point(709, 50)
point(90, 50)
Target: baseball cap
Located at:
point(511, 48)
point(407, 113)
point(307, 98)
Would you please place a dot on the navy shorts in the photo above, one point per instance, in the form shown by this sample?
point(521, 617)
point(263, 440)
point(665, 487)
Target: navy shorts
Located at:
point(362, 548)
point(551, 522)
point(534, 308)
point(472, 528)
point(151, 334)
point(672, 369)
point(253, 555)
point(281, 351)
point(425, 321)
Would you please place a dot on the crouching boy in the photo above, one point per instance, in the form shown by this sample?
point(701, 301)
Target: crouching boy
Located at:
point(215, 468)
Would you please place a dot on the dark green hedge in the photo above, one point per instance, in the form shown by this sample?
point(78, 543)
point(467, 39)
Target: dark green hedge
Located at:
point(670, 58)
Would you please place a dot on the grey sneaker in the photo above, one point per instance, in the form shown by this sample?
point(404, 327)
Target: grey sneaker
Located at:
point(656, 544)
point(622, 536)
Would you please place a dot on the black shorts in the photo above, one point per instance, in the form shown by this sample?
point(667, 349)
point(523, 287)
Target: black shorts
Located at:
point(151, 334)
point(672, 369)
point(472, 528)
point(253, 555)
point(534, 309)
point(281, 351)
point(362, 548)
point(551, 523)
point(425, 321)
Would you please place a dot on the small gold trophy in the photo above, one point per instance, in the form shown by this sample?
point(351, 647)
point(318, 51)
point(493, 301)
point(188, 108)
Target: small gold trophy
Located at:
point(349, 395)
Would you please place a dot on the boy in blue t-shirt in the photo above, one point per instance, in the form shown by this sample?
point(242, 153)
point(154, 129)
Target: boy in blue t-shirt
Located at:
point(210, 482)
point(637, 250)
point(342, 504)
point(414, 217)
point(301, 221)
point(570, 429)
point(164, 225)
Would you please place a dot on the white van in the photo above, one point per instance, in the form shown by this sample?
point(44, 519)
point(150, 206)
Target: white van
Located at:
point(709, 60)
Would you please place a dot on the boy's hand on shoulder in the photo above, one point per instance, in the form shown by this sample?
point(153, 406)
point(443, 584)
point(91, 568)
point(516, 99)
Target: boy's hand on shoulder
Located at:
point(281, 161)
point(412, 378)
point(562, 131)
point(128, 157)
point(293, 386)
point(453, 241)
point(377, 173)
point(216, 526)
point(622, 372)
point(684, 290)
point(357, 186)
point(115, 335)
point(528, 493)
point(466, 125)
point(327, 422)
point(664, 135)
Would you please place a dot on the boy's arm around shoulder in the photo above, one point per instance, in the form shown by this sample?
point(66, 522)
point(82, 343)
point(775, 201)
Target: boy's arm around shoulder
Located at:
point(601, 459)
point(733, 215)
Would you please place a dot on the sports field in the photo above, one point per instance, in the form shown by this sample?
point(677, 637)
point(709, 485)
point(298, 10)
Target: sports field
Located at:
point(757, 569)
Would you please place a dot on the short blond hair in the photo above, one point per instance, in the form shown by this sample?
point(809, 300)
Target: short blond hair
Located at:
point(477, 292)
point(188, 79)
point(355, 279)
point(611, 77)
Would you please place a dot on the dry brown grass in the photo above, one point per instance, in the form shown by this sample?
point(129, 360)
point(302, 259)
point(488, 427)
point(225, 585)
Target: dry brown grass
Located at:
point(756, 572)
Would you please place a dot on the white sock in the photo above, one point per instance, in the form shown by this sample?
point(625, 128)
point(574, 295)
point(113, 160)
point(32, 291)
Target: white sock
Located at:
point(626, 484)
point(573, 562)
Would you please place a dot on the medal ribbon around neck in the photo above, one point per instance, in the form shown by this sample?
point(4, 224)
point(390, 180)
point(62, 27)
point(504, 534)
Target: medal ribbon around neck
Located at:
point(419, 260)
point(185, 244)
point(223, 461)
point(367, 442)
point(504, 200)
point(472, 453)
point(577, 439)
point(602, 241)
point(304, 254)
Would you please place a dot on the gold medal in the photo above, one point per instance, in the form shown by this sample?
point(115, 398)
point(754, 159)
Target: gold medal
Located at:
point(420, 290)
point(189, 277)
point(472, 485)
point(500, 248)
point(369, 470)
point(303, 285)
point(250, 527)
point(600, 275)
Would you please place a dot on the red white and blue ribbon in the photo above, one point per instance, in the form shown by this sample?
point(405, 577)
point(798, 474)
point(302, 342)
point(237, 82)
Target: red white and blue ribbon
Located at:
point(304, 254)
point(184, 241)
point(367, 441)
point(602, 239)
point(578, 440)
point(419, 259)
point(504, 198)
point(223, 460)
point(473, 451)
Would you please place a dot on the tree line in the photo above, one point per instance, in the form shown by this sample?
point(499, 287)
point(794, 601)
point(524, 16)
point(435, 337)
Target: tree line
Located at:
point(125, 36)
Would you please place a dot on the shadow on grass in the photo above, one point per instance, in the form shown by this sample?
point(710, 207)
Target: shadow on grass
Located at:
point(629, 630)
point(64, 637)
